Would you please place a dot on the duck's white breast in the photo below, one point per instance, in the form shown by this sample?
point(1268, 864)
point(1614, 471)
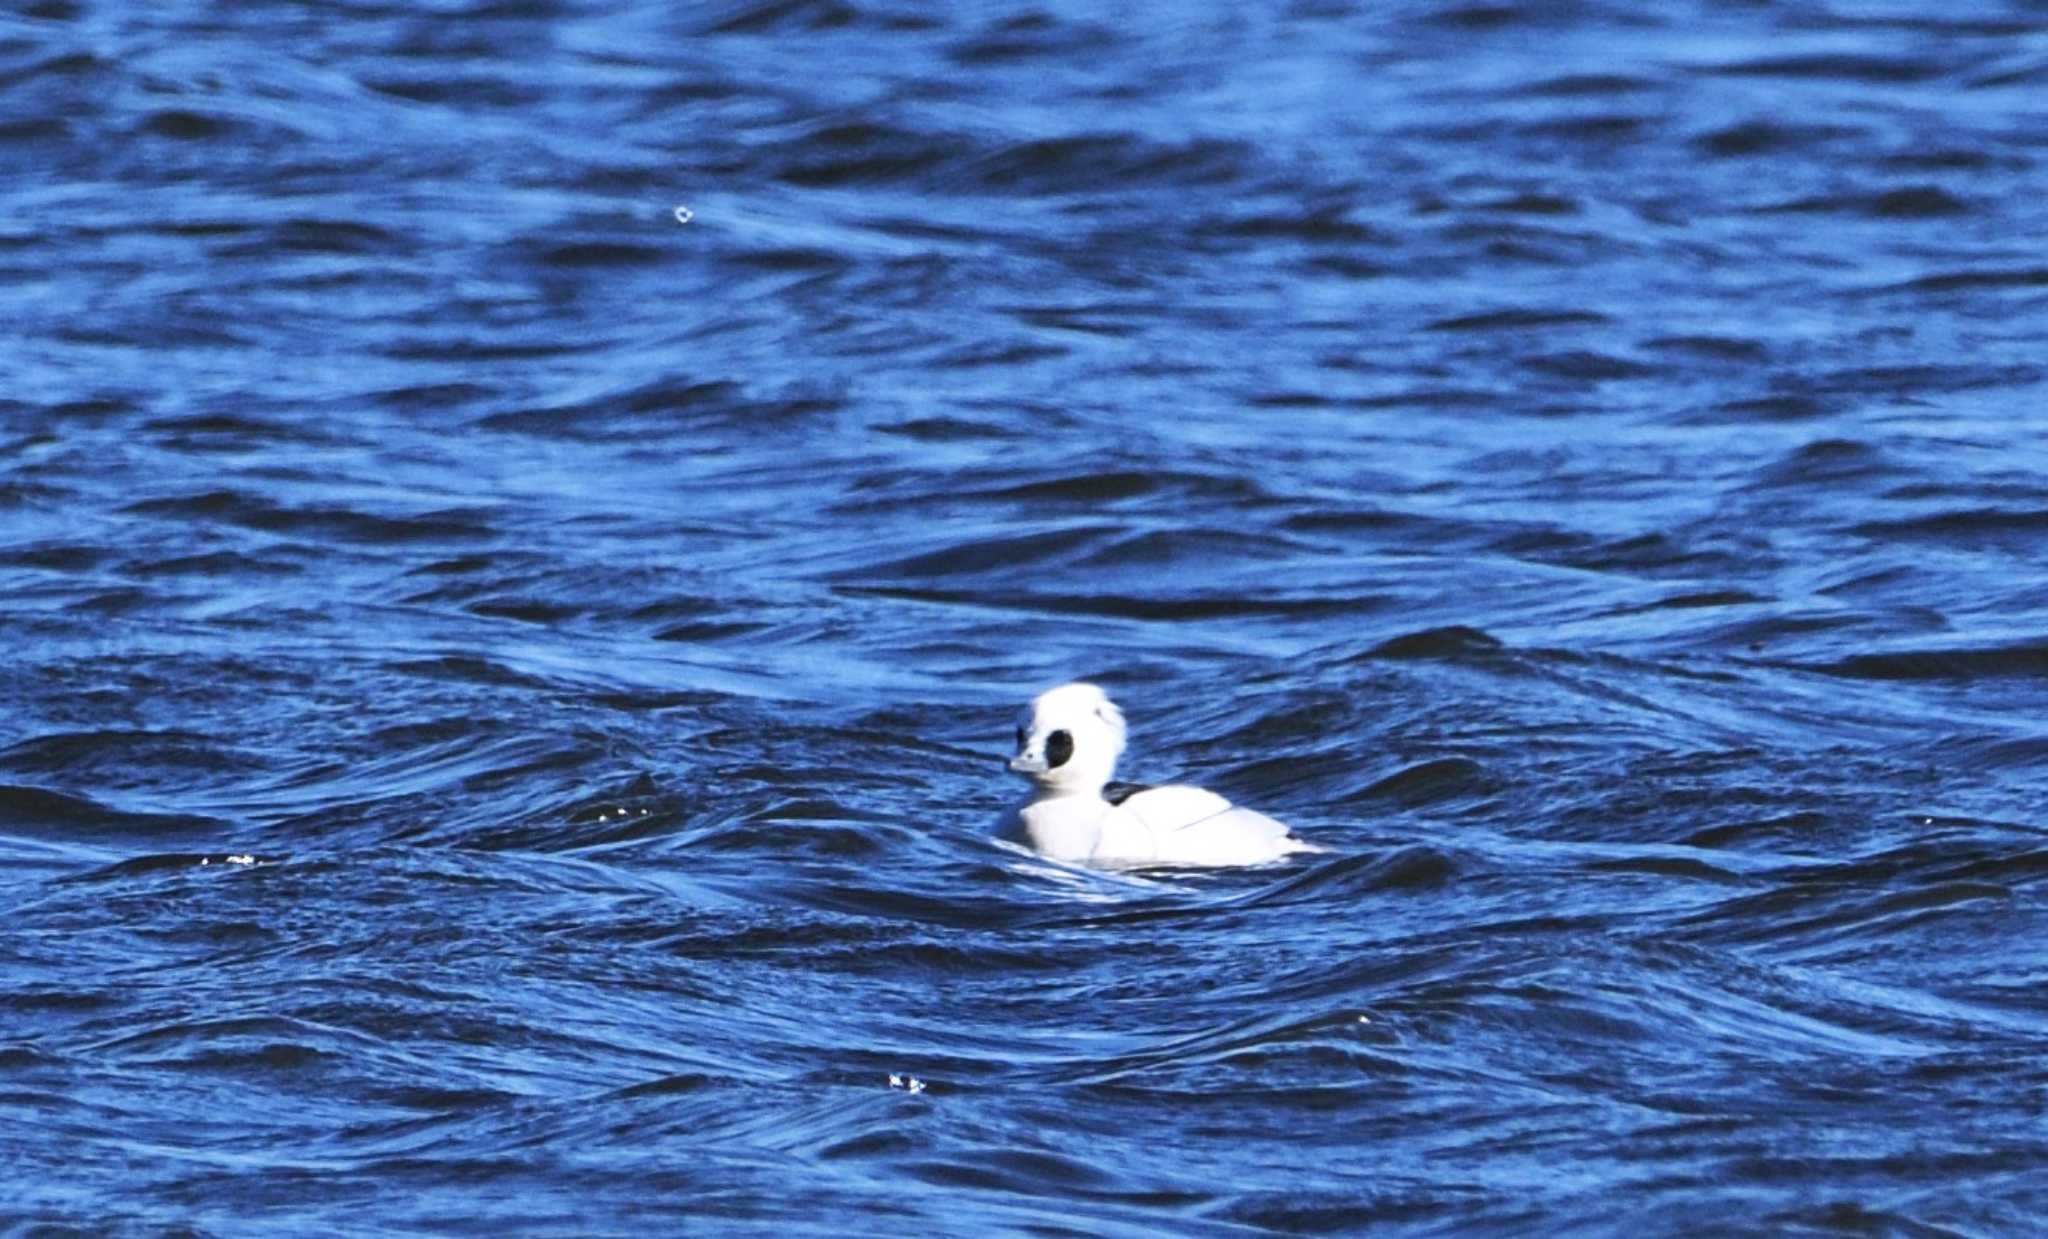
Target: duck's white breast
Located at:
point(1058, 827)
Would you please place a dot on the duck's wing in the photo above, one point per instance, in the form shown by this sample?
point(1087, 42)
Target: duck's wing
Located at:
point(1174, 807)
point(1193, 826)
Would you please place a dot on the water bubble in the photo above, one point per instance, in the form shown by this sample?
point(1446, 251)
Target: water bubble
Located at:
point(683, 214)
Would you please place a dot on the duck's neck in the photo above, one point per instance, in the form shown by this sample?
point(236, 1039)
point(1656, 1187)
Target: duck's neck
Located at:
point(1082, 791)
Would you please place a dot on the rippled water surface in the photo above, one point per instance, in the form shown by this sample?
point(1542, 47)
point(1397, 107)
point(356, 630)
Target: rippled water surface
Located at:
point(504, 680)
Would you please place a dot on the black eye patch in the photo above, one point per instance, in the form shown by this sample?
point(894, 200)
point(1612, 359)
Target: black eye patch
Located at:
point(1059, 746)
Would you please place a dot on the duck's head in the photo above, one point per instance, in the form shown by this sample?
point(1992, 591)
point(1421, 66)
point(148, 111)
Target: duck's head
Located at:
point(1069, 739)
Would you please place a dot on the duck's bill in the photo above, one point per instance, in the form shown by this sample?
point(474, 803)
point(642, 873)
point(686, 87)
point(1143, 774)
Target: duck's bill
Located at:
point(1023, 764)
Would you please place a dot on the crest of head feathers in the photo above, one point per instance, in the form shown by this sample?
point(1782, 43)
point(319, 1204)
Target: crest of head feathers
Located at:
point(1070, 703)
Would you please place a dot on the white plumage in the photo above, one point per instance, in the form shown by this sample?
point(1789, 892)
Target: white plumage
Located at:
point(1068, 744)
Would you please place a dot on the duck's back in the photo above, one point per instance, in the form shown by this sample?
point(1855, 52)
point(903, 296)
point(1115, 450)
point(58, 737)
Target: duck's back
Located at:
point(1182, 825)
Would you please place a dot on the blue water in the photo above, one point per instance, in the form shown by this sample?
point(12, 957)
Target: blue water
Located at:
point(505, 680)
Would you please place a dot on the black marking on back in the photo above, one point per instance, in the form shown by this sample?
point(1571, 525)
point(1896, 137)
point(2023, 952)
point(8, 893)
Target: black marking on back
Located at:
point(1117, 793)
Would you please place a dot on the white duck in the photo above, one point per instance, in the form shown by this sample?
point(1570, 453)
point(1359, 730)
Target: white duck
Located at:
point(1067, 746)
